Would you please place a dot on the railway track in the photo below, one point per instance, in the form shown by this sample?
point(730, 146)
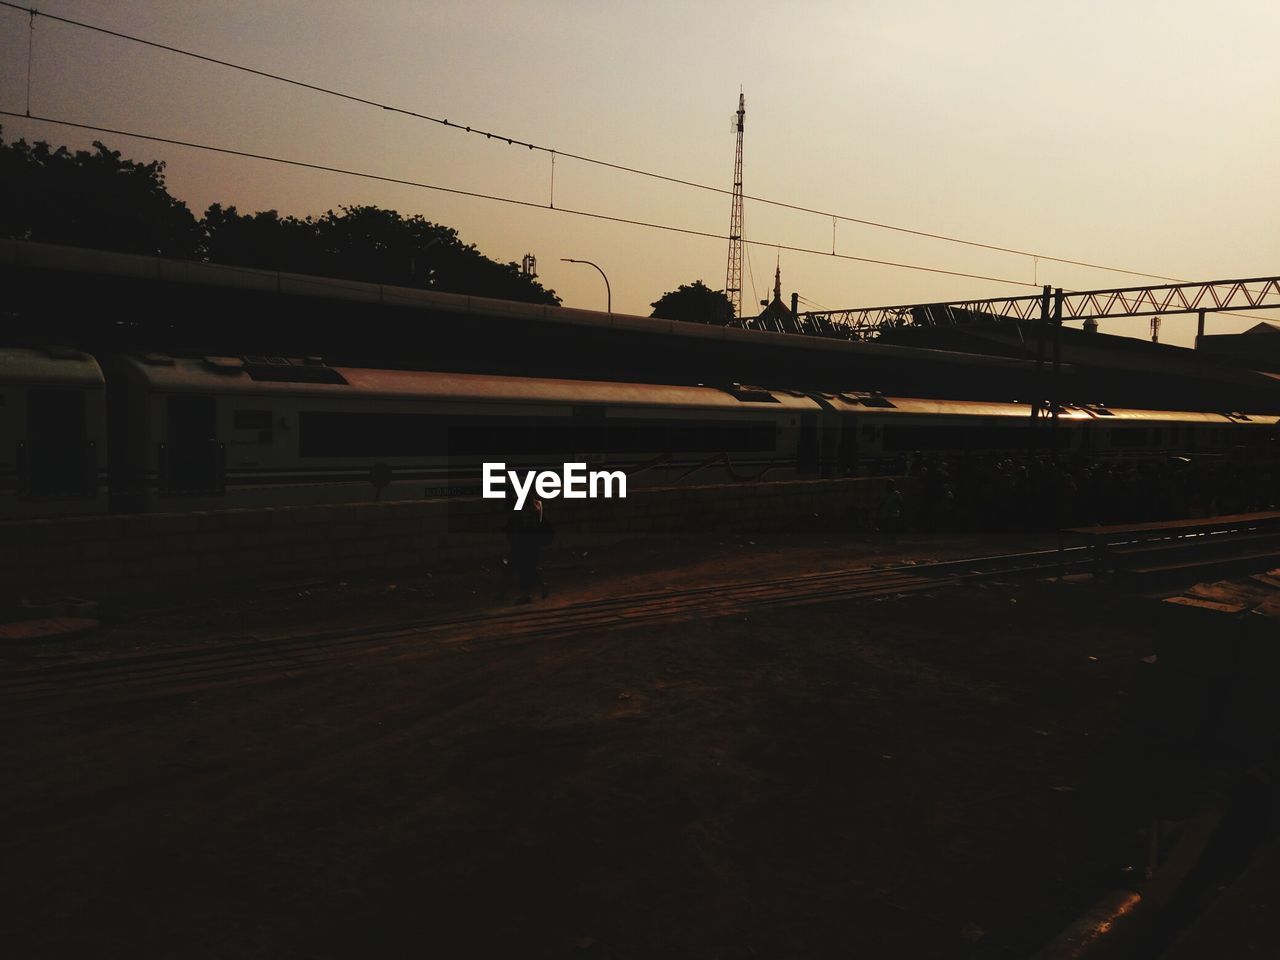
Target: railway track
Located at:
point(174, 672)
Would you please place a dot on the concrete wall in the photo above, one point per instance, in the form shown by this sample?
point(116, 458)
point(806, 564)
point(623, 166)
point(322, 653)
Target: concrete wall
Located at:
point(129, 556)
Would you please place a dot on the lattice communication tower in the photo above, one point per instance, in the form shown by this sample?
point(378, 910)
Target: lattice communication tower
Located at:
point(733, 273)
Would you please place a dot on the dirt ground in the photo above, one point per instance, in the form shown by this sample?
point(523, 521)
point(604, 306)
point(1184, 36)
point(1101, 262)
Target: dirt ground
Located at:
point(574, 575)
point(957, 773)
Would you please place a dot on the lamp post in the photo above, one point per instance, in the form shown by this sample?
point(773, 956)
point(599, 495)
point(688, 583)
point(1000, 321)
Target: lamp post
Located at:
point(608, 292)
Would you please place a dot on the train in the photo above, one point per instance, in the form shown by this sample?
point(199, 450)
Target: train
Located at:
point(162, 433)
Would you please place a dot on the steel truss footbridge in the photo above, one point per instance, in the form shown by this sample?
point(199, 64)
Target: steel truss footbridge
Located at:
point(1214, 296)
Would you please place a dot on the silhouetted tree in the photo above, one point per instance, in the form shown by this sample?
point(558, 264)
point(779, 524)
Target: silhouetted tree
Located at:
point(92, 199)
point(263, 239)
point(98, 199)
point(366, 243)
point(694, 303)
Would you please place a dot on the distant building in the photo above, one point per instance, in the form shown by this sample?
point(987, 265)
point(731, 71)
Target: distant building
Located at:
point(1257, 348)
point(776, 315)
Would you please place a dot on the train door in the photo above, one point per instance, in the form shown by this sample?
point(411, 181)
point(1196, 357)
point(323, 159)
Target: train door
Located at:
point(192, 457)
point(829, 438)
point(57, 459)
point(128, 429)
point(847, 465)
point(1191, 438)
point(807, 450)
point(1089, 446)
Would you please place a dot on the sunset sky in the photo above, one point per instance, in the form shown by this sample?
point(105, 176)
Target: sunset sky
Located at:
point(1131, 133)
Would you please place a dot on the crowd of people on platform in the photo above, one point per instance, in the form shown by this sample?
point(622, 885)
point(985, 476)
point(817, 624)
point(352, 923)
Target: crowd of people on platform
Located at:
point(992, 493)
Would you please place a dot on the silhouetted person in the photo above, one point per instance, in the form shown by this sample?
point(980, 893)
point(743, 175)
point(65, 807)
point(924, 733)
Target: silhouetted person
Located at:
point(528, 533)
point(889, 512)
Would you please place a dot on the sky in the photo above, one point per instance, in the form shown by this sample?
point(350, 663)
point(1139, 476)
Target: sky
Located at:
point(1128, 133)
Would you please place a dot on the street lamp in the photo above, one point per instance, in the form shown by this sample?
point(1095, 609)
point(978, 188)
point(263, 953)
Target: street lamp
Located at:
point(607, 291)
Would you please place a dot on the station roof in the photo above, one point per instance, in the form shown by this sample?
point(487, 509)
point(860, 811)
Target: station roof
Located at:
point(1114, 369)
point(198, 309)
point(108, 302)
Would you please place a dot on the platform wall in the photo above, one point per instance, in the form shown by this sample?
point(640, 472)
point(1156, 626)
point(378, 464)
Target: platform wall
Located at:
point(130, 556)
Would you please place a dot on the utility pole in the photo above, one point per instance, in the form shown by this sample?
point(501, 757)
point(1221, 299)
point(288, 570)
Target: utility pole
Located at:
point(608, 291)
point(733, 272)
point(1038, 391)
point(1055, 401)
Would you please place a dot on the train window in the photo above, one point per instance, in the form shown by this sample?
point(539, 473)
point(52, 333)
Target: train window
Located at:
point(369, 435)
point(1128, 437)
point(51, 412)
point(251, 419)
point(978, 437)
point(428, 435)
point(620, 436)
point(55, 460)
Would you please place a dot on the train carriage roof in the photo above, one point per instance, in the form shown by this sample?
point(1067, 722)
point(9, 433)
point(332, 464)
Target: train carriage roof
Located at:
point(231, 375)
point(1129, 417)
point(891, 406)
point(49, 367)
point(916, 407)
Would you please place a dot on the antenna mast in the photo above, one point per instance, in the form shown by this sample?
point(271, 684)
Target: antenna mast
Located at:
point(733, 273)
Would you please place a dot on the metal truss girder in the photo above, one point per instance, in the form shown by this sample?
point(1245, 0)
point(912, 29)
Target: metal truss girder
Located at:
point(1177, 298)
point(1212, 296)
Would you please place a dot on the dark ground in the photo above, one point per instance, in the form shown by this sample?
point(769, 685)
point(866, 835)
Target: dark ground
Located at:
point(958, 773)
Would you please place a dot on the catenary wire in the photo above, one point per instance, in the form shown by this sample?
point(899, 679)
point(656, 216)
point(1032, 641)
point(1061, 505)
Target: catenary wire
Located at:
point(688, 231)
point(621, 167)
point(513, 141)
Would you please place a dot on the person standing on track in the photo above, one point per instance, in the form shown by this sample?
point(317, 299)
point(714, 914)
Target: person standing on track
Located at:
point(889, 513)
point(528, 533)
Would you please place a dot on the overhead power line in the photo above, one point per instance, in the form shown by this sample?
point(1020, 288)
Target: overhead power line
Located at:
point(325, 168)
point(514, 141)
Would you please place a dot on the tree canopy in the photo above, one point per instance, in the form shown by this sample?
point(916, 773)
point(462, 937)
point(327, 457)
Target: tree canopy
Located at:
point(366, 243)
point(694, 303)
point(92, 199)
point(104, 201)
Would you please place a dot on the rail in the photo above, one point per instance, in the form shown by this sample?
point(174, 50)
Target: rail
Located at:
point(1168, 546)
point(164, 673)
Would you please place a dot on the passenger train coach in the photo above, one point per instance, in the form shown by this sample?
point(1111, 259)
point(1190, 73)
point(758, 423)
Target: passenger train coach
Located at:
point(162, 433)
